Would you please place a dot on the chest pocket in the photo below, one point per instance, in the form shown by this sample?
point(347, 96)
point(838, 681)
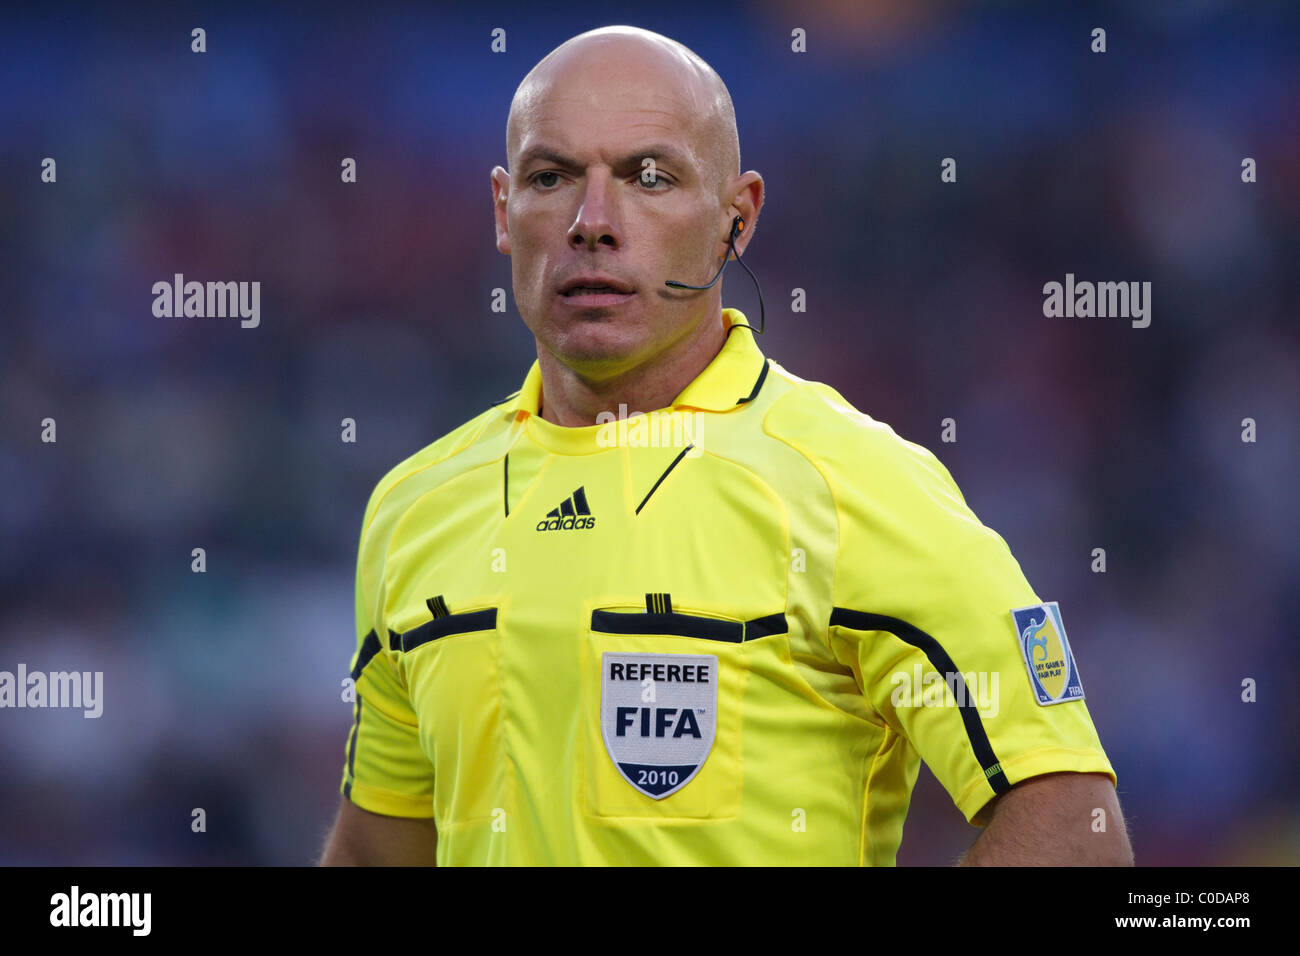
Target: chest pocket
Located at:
point(663, 723)
point(452, 666)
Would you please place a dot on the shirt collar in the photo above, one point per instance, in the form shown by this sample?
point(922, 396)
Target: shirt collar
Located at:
point(733, 378)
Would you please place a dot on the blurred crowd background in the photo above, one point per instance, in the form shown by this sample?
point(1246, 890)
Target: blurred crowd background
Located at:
point(223, 689)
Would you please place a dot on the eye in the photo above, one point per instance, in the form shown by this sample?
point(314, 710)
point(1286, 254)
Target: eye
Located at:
point(538, 176)
point(652, 185)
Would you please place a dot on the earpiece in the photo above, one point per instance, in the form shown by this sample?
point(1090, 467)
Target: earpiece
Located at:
point(737, 227)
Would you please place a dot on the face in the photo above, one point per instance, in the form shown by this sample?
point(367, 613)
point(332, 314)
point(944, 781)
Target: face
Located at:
point(579, 202)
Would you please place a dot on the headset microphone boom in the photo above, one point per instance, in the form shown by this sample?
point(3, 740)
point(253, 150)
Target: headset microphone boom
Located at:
point(737, 226)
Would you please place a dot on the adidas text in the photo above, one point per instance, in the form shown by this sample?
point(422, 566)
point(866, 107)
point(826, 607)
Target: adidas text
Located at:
point(568, 523)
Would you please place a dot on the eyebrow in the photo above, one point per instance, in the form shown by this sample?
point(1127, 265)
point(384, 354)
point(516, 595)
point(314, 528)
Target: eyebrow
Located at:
point(659, 152)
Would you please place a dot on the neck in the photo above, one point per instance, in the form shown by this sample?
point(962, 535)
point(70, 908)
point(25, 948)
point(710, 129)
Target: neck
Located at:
point(569, 399)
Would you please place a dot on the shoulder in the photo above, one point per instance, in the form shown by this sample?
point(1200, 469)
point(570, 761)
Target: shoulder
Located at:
point(913, 544)
point(850, 448)
point(432, 465)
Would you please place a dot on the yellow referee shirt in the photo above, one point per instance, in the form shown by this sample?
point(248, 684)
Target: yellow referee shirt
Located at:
point(721, 633)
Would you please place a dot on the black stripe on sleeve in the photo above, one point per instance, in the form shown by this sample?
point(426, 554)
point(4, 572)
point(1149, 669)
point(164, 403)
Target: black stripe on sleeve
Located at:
point(352, 750)
point(369, 648)
point(939, 659)
point(483, 620)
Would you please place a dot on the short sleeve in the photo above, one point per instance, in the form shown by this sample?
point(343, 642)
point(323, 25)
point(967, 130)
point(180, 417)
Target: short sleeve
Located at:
point(924, 601)
point(385, 769)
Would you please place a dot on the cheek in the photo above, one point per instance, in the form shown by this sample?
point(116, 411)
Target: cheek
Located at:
point(527, 258)
point(689, 243)
point(534, 237)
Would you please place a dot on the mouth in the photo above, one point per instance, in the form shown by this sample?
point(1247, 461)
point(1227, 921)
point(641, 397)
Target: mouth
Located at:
point(595, 292)
point(595, 298)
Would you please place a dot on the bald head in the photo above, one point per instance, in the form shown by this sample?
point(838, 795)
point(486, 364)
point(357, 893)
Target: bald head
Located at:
point(601, 62)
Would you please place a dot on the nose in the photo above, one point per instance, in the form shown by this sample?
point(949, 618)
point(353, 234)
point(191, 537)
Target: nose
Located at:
point(594, 223)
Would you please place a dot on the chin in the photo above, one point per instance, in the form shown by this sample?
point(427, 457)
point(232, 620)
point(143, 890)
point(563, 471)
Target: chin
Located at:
point(595, 341)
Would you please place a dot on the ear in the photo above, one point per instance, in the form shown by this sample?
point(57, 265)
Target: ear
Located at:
point(500, 194)
point(747, 202)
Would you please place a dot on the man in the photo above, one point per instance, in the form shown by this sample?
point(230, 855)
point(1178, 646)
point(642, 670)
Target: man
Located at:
point(660, 605)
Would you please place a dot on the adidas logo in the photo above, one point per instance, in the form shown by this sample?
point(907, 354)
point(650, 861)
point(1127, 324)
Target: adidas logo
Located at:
point(572, 514)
